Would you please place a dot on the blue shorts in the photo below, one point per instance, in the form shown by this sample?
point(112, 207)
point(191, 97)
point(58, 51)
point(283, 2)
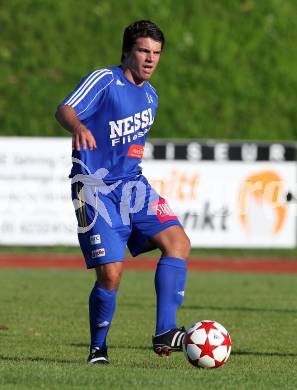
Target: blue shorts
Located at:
point(112, 217)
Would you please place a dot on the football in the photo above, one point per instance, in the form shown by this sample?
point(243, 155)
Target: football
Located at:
point(207, 344)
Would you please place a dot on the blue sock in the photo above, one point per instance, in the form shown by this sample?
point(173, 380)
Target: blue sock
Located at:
point(102, 305)
point(170, 281)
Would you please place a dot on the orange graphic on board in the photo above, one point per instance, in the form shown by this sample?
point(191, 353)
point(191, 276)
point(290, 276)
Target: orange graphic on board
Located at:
point(178, 185)
point(266, 189)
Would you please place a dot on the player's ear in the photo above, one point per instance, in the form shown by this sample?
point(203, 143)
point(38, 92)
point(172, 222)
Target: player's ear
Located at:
point(126, 55)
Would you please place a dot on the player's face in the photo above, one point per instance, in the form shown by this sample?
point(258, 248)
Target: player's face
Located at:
point(143, 59)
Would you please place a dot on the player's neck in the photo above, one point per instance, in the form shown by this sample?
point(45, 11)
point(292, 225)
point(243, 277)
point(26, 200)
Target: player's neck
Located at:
point(131, 76)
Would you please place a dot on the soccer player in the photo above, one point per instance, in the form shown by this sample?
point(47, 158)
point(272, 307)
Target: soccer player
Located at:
point(109, 115)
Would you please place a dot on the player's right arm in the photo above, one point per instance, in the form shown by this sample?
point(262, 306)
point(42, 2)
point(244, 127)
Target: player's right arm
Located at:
point(81, 104)
point(81, 135)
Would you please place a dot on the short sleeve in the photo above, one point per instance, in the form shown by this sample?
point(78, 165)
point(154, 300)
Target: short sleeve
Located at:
point(85, 98)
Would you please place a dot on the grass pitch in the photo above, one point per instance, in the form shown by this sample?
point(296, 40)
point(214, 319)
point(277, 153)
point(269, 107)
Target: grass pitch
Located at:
point(44, 332)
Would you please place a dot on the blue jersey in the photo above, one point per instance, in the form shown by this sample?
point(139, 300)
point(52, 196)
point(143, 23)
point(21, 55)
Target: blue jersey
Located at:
point(119, 114)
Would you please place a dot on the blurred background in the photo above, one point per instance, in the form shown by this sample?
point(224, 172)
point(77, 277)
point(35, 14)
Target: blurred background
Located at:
point(228, 69)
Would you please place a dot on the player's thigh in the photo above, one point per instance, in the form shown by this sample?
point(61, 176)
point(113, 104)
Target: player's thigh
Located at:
point(152, 219)
point(173, 242)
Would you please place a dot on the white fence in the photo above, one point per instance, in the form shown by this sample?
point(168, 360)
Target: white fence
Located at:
point(226, 195)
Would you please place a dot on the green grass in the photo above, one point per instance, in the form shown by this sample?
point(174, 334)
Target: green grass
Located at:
point(245, 252)
point(44, 332)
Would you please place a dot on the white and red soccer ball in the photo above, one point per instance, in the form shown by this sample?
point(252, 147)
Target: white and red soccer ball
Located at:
point(207, 344)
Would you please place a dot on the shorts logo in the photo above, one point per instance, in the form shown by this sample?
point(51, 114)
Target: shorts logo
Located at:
point(98, 253)
point(96, 239)
point(162, 210)
point(136, 151)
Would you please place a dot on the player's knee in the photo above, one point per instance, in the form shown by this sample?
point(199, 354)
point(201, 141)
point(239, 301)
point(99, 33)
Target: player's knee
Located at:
point(187, 247)
point(110, 278)
point(110, 281)
point(184, 246)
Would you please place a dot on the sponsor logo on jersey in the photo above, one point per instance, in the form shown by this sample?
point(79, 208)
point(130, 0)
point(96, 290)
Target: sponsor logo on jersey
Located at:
point(162, 210)
point(98, 253)
point(96, 239)
point(136, 151)
point(130, 128)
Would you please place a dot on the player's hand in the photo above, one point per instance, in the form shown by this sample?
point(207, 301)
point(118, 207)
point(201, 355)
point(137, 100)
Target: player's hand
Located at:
point(82, 137)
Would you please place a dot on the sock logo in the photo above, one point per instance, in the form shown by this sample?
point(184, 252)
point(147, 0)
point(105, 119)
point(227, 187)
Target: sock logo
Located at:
point(102, 324)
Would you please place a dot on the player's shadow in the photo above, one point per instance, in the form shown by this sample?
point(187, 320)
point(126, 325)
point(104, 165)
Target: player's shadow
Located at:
point(149, 348)
point(219, 308)
point(115, 346)
point(21, 359)
point(136, 304)
point(254, 353)
point(235, 308)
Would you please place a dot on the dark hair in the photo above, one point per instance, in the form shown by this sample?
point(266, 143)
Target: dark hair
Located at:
point(140, 29)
